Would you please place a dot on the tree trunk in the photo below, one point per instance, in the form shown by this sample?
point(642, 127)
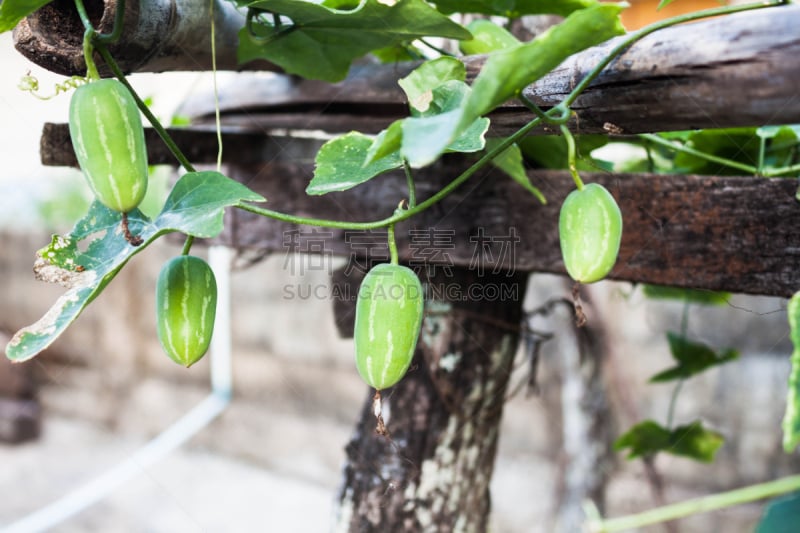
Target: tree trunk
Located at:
point(432, 472)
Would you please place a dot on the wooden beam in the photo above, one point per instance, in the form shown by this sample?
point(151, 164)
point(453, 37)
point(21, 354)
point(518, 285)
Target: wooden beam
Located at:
point(158, 36)
point(720, 233)
point(734, 234)
point(740, 70)
point(199, 144)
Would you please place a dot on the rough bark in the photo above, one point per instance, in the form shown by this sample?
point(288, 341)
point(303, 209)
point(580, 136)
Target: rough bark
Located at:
point(432, 473)
point(158, 35)
point(587, 432)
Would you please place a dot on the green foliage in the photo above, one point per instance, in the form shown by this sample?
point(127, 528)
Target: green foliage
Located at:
point(420, 83)
point(664, 3)
point(12, 11)
point(692, 358)
point(194, 207)
point(648, 438)
point(791, 419)
point(781, 515)
point(695, 296)
point(510, 162)
point(487, 37)
point(513, 8)
point(508, 71)
point(322, 40)
point(435, 91)
point(340, 164)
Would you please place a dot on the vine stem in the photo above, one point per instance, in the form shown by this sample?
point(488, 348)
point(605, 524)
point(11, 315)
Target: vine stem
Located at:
point(217, 119)
point(572, 157)
point(88, 52)
point(187, 245)
point(655, 139)
point(704, 504)
point(412, 190)
point(679, 385)
point(393, 255)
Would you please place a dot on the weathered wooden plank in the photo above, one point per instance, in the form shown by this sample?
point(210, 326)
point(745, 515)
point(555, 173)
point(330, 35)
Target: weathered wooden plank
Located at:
point(740, 70)
point(720, 233)
point(198, 144)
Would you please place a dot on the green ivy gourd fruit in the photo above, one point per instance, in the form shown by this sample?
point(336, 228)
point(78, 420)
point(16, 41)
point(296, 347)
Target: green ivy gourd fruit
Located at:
point(108, 138)
point(388, 319)
point(486, 37)
point(590, 231)
point(186, 305)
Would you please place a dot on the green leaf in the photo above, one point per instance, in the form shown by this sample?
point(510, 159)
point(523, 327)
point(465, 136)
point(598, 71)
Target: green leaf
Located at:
point(664, 3)
point(194, 207)
point(649, 438)
point(781, 515)
point(321, 40)
point(386, 143)
point(510, 162)
point(421, 82)
point(643, 439)
point(419, 139)
point(513, 8)
point(692, 358)
point(695, 296)
point(695, 442)
point(429, 133)
point(508, 71)
point(12, 11)
point(791, 419)
point(340, 164)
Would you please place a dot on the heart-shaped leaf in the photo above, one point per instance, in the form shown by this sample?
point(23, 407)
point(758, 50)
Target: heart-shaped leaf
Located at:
point(195, 207)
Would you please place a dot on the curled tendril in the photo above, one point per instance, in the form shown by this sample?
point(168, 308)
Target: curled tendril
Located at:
point(31, 84)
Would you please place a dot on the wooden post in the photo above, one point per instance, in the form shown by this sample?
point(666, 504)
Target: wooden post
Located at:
point(20, 412)
point(158, 35)
point(432, 472)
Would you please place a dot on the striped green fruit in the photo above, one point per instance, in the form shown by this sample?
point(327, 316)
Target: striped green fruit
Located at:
point(186, 304)
point(590, 230)
point(388, 320)
point(486, 37)
point(108, 138)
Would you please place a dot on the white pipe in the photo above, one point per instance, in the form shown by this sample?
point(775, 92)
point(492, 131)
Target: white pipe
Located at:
point(219, 258)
